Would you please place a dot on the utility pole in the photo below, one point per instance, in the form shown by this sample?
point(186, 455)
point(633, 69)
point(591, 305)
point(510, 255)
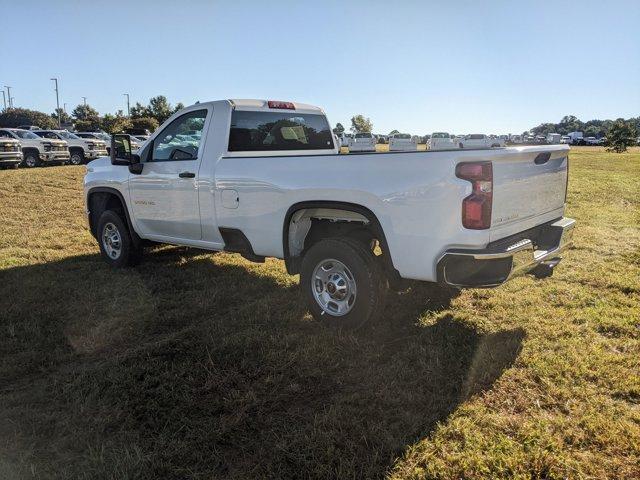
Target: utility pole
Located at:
point(127, 95)
point(9, 95)
point(84, 99)
point(57, 102)
point(4, 99)
point(64, 107)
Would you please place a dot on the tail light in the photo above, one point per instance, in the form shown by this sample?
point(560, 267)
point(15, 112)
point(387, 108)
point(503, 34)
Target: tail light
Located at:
point(281, 105)
point(476, 208)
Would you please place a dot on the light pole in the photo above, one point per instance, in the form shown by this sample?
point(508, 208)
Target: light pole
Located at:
point(84, 99)
point(4, 99)
point(57, 102)
point(9, 95)
point(127, 95)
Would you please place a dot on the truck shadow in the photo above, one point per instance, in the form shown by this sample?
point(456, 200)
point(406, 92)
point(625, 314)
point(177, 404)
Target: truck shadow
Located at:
point(189, 367)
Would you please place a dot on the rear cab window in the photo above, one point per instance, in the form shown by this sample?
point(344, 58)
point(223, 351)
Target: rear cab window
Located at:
point(254, 131)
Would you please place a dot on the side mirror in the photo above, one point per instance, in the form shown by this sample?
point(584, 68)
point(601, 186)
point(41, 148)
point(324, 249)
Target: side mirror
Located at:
point(121, 149)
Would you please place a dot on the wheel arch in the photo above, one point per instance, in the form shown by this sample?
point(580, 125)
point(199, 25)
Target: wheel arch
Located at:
point(292, 262)
point(100, 199)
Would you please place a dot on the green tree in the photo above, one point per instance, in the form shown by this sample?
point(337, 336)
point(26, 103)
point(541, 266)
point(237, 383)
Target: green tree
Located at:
point(360, 124)
point(621, 135)
point(65, 118)
point(85, 112)
point(160, 108)
point(393, 132)
point(14, 117)
point(148, 123)
point(339, 130)
point(115, 123)
point(139, 111)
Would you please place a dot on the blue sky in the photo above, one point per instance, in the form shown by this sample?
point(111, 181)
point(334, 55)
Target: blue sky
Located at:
point(491, 67)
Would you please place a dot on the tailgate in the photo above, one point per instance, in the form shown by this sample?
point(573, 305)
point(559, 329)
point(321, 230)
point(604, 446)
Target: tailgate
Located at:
point(528, 183)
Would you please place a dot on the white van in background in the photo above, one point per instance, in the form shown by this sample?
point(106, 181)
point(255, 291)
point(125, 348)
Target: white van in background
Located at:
point(402, 142)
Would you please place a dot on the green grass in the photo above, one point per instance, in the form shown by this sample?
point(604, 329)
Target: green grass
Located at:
point(204, 366)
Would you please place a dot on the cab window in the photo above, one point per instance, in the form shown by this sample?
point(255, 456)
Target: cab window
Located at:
point(253, 131)
point(181, 139)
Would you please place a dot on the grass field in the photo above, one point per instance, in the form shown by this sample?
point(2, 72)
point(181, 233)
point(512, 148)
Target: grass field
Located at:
point(204, 366)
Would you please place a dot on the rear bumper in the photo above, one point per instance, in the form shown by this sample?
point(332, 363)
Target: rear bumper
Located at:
point(507, 257)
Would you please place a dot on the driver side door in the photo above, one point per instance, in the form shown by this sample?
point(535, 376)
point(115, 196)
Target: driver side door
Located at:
point(164, 197)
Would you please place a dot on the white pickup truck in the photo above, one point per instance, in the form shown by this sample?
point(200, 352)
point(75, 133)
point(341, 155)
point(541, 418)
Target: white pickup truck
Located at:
point(263, 179)
point(80, 149)
point(478, 140)
point(10, 153)
point(362, 142)
point(38, 151)
point(440, 141)
point(402, 142)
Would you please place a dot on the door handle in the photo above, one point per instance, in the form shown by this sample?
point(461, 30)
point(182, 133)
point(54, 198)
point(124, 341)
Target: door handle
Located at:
point(187, 175)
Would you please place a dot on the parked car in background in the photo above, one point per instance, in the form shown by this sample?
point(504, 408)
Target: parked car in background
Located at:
point(472, 218)
point(81, 150)
point(10, 153)
point(566, 139)
point(29, 127)
point(362, 142)
point(402, 142)
point(37, 151)
point(515, 139)
point(478, 140)
point(496, 141)
point(554, 138)
point(440, 141)
point(592, 141)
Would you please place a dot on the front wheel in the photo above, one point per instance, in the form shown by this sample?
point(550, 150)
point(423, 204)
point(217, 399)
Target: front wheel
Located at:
point(116, 245)
point(77, 157)
point(31, 160)
point(342, 283)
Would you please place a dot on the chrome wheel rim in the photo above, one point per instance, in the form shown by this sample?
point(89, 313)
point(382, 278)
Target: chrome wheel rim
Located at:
point(112, 241)
point(76, 159)
point(30, 161)
point(334, 287)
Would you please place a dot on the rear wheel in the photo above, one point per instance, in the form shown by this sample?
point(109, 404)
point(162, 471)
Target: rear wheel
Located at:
point(342, 283)
point(114, 238)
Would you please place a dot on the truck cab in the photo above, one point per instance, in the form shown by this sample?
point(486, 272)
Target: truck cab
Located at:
point(81, 149)
point(37, 151)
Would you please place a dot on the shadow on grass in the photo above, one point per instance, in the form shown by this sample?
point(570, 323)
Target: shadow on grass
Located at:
point(187, 367)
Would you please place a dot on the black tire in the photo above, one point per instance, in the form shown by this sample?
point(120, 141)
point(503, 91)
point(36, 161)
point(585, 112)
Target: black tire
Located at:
point(362, 265)
point(31, 159)
point(77, 157)
point(15, 165)
point(129, 253)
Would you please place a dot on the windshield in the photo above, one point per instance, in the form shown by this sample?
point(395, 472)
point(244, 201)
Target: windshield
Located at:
point(363, 135)
point(68, 135)
point(403, 136)
point(25, 134)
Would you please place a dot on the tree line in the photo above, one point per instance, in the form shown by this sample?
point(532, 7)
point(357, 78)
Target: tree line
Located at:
point(86, 118)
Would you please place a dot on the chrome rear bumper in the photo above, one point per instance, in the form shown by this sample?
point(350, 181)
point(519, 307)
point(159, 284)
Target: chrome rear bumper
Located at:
point(506, 258)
